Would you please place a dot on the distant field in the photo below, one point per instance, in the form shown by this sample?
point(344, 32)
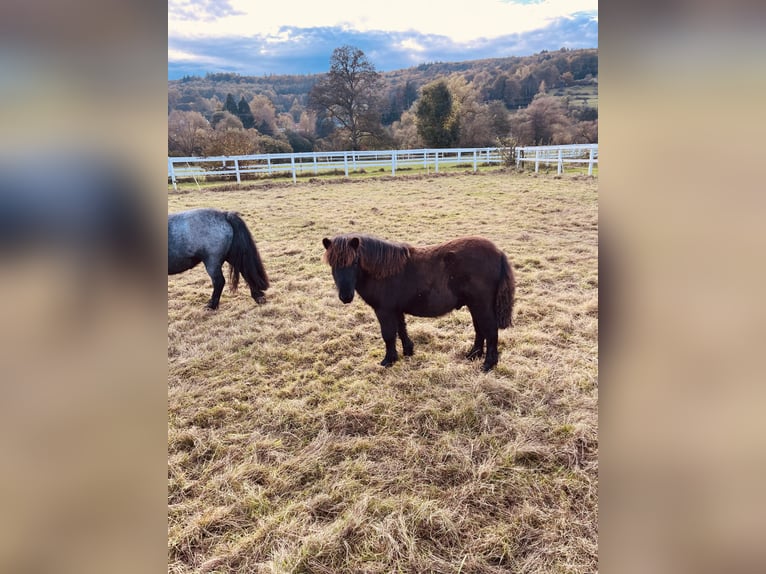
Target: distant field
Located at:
point(291, 450)
point(579, 96)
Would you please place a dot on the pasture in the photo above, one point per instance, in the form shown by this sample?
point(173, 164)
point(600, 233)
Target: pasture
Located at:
point(579, 96)
point(291, 450)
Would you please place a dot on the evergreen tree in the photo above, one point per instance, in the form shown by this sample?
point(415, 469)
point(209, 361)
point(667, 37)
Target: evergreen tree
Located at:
point(230, 105)
point(437, 125)
point(245, 115)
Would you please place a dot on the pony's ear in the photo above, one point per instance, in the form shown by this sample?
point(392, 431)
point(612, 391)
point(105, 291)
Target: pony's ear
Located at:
point(326, 242)
point(353, 243)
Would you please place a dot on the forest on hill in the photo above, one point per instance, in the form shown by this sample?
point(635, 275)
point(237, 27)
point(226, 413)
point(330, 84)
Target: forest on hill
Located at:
point(546, 98)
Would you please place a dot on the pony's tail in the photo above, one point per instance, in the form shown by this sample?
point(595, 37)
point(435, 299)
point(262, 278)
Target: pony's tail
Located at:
point(243, 257)
point(505, 293)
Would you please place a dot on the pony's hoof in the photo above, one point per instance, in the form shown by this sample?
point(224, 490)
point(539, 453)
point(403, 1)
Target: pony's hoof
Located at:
point(485, 368)
point(210, 307)
point(387, 362)
point(260, 300)
point(409, 351)
point(474, 354)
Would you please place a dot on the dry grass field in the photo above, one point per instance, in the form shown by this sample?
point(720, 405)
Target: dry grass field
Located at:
point(291, 450)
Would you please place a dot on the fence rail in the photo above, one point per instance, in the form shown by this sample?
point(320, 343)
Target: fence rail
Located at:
point(558, 154)
point(314, 163)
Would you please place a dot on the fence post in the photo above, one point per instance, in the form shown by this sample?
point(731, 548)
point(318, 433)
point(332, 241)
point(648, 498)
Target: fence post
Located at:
point(561, 162)
point(345, 162)
point(316, 168)
point(236, 169)
point(436, 161)
point(172, 170)
point(393, 162)
point(590, 162)
point(475, 165)
point(268, 163)
point(292, 167)
point(537, 160)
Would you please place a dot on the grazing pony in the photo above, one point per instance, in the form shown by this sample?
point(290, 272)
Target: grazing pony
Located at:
point(211, 236)
point(396, 278)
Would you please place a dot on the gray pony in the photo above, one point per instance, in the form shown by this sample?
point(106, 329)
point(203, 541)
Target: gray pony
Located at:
point(211, 237)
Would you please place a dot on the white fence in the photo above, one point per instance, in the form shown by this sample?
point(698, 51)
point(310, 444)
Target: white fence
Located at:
point(314, 163)
point(558, 154)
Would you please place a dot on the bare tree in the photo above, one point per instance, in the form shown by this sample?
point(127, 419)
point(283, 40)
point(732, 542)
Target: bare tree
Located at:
point(473, 115)
point(186, 133)
point(405, 131)
point(307, 123)
point(350, 95)
point(543, 122)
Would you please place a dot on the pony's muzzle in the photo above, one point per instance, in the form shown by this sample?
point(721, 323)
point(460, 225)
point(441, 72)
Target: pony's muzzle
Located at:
point(346, 297)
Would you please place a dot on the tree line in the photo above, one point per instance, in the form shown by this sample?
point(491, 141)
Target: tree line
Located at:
point(353, 106)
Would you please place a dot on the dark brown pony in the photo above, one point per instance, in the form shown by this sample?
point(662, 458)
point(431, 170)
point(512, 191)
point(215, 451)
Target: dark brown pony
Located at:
point(396, 278)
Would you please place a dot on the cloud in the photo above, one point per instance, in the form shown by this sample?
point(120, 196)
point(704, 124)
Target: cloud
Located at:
point(467, 22)
point(295, 50)
point(201, 10)
point(411, 45)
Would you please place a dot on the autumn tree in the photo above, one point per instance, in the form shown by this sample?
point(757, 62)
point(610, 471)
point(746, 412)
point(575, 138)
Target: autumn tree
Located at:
point(174, 95)
point(504, 88)
point(186, 133)
point(400, 99)
point(499, 118)
point(264, 115)
point(474, 117)
point(404, 132)
point(233, 141)
point(437, 124)
point(217, 117)
point(350, 95)
point(299, 143)
point(296, 109)
point(228, 121)
point(307, 123)
point(543, 122)
point(285, 122)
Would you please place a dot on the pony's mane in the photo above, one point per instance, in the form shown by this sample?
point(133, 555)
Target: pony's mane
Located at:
point(377, 257)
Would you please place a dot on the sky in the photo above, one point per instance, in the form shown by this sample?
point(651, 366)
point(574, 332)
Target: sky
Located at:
point(259, 38)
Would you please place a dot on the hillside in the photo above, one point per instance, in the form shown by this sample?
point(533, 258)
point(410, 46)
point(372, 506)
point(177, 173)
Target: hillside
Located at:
point(512, 80)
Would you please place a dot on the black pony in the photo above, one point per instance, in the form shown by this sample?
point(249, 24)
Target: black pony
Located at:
point(396, 278)
point(212, 237)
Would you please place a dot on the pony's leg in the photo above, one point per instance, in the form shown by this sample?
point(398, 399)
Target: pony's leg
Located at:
point(477, 351)
point(389, 323)
point(216, 275)
point(407, 343)
point(491, 359)
point(485, 324)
